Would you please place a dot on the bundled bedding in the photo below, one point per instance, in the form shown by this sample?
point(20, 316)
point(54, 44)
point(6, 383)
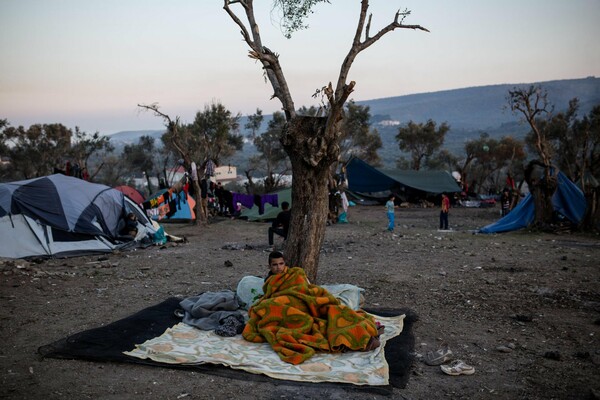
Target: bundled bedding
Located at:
point(297, 319)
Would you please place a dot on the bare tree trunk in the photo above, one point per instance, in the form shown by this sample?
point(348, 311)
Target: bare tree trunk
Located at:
point(250, 185)
point(309, 216)
point(591, 219)
point(165, 176)
point(148, 182)
point(542, 186)
point(269, 183)
point(198, 209)
point(311, 155)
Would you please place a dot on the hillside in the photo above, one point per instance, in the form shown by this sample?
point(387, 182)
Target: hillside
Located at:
point(479, 108)
point(468, 111)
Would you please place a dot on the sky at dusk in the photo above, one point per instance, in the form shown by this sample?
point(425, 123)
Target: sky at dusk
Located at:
point(89, 63)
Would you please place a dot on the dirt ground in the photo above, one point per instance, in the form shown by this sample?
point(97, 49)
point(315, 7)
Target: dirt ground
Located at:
point(523, 308)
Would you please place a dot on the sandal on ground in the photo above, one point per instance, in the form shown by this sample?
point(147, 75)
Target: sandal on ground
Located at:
point(380, 328)
point(373, 343)
point(440, 356)
point(458, 367)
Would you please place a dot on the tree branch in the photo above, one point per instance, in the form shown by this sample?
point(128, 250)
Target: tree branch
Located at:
point(268, 59)
point(239, 22)
point(342, 90)
point(172, 127)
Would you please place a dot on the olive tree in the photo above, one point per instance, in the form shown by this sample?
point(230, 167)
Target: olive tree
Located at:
point(271, 158)
point(421, 140)
point(311, 142)
point(42, 148)
point(532, 103)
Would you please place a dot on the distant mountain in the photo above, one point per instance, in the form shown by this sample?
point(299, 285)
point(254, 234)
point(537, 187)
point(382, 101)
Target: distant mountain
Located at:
point(468, 111)
point(129, 137)
point(471, 111)
point(480, 108)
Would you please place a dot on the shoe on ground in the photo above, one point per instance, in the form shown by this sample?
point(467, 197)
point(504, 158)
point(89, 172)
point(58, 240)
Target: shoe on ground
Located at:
point(457, 367)
point(440, 356)
point(373, 343)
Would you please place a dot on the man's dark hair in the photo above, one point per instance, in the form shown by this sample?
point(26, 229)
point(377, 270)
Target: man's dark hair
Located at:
point(275, 254)
point(285, 205)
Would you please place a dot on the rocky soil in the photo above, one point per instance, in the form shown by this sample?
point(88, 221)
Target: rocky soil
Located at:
point(523, 308)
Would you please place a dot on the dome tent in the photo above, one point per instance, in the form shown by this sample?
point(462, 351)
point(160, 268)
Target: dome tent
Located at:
point(173, 206)
point(132, 193)
point(59, 216)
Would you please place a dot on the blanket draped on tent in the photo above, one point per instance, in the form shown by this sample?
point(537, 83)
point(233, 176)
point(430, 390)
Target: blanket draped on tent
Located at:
point(297, 318)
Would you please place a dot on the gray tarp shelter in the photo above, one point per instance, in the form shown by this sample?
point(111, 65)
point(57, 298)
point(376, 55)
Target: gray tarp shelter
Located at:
point(366, 179)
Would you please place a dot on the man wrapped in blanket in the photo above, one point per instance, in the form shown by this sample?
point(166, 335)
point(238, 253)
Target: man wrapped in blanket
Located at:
point(297, 318)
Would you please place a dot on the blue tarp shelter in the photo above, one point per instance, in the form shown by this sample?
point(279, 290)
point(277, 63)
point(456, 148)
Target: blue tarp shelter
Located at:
point(568, 200)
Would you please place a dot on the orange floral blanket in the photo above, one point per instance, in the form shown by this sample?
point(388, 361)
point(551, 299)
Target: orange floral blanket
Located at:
point(297, 318)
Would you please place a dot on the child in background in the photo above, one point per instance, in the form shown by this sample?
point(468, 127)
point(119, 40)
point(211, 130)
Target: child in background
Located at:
point(390, 206)
point(444, 212)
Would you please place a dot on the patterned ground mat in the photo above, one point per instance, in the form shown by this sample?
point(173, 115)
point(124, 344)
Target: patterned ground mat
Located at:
point(154, 336)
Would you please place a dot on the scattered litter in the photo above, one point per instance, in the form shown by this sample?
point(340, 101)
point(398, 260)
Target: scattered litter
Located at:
point(504, 349)
point(552, 355)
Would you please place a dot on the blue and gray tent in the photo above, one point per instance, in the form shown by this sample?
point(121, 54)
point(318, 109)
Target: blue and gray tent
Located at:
point(58, 216)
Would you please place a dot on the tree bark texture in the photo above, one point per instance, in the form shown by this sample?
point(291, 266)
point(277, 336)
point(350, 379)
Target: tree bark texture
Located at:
point(542, 186)
point(198, 207)
point(312, 150)
point(591, 220)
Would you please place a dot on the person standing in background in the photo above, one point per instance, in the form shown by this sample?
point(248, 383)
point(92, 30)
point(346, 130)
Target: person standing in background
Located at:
point(505, 202)
point(390, 206)
point(444, 212)
point(204, 198)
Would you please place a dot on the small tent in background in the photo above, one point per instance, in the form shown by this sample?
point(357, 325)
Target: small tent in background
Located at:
point(132, 193)
point(568, 200)
point(410, 185)
point(270, 212)
point(59, 216)
point(178, 207)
